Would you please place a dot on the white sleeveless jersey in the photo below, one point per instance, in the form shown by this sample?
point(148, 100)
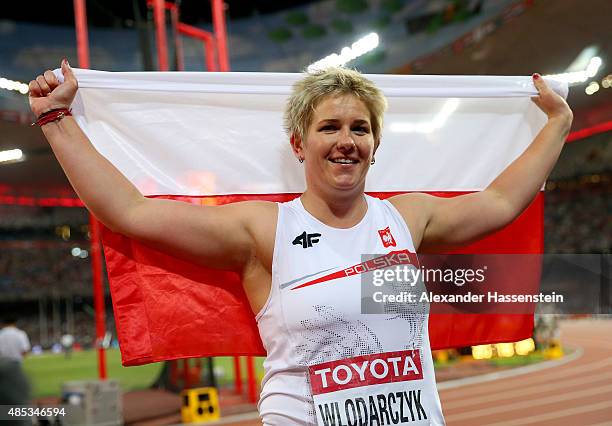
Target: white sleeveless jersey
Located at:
point(328, 363)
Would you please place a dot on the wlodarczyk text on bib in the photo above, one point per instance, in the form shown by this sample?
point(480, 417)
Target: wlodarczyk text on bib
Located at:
point(369, 390)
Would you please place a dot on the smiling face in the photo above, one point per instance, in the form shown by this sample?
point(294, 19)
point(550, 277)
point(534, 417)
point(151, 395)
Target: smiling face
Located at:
point(338, 147)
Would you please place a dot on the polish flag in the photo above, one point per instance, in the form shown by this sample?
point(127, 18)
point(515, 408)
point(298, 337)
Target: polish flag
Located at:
point(216, 138)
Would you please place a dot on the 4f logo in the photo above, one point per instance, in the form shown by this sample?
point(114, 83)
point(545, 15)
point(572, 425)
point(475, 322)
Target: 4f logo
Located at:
point(306, 240)
point(386, 237)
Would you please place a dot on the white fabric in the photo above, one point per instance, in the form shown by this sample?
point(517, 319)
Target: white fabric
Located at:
point(323, 322)
point(185, 133)
point(13, 343)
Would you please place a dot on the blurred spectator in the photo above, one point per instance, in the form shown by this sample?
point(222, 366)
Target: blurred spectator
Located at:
point(28, 218)
point(14, 344)
point(67, 342)
point(82, 330)
point(577, 215)
point(29, 269)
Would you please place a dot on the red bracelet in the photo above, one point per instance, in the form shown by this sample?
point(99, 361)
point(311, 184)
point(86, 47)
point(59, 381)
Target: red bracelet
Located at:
point(52, 115)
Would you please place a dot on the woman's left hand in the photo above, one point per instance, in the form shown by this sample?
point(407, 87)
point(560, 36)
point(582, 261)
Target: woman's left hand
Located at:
point(553, 105)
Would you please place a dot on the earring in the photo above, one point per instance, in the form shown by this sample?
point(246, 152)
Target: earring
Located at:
point(301, 160)
point(373, 161)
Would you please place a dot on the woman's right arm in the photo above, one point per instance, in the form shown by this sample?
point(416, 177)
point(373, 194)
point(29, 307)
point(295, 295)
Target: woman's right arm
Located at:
point(218, 237)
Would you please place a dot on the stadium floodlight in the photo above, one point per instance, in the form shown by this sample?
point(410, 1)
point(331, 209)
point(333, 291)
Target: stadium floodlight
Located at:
point(347, 54)
point(591, 88)
point(583, 59)
point(427, 126)
point(11, 155)
point(585, 66)
point(577, 77)
point(18, 86)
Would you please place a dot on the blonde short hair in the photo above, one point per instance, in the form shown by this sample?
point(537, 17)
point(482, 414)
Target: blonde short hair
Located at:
point(318, 85)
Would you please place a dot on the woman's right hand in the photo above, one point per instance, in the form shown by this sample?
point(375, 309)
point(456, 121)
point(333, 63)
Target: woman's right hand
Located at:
point(47, 93)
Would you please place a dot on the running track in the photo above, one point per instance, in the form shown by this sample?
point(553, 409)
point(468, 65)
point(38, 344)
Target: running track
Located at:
point(576, 393)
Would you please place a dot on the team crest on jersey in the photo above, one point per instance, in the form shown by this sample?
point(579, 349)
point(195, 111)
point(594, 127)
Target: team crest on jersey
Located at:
point(386, 237)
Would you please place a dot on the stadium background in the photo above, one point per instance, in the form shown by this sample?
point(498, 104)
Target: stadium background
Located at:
point(45, 269)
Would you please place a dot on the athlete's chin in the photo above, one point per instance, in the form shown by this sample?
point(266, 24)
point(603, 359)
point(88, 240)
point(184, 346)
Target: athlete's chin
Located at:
point(348, 184)
point(346, 181)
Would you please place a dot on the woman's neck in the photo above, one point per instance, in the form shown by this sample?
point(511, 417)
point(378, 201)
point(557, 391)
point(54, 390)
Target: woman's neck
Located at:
point(337, 212)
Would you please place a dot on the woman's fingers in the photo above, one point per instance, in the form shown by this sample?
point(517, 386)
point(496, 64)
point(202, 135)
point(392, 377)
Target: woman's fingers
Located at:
point(540, 85)
point(51, 79)
point(47, 92)
point(44, 87)
point(35, 91)
point(67, 72)
point(547, 100)
point(538, 82)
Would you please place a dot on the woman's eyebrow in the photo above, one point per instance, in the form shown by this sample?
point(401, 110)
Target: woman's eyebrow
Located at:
point(335, 120)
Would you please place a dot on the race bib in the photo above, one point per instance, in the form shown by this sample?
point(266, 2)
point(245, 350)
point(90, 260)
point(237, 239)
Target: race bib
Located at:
point(378, 389)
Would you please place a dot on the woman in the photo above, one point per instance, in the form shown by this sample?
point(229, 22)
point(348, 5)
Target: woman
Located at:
point(327, 362)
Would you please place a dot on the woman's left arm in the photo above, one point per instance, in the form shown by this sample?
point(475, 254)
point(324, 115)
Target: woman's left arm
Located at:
point(449, 222)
